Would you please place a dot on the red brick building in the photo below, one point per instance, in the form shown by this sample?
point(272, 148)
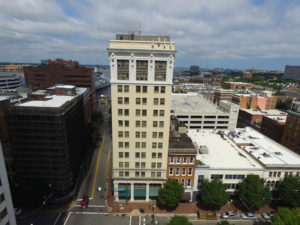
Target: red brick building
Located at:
point(222, 94)
point(273, 126)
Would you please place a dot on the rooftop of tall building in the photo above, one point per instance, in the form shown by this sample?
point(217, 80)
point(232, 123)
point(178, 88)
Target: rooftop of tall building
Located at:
point(137, 37)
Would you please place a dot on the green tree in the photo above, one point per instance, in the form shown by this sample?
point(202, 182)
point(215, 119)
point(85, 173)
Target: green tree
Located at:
point(254, 192)
point(214, 193)
point(224, 222)
point(285, 216)
point(289, 191)
point(179, 220)
point(96, 116)
point(171, 193)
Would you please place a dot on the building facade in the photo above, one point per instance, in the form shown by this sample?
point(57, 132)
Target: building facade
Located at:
point(47, 137)
point(10, 82)
point(238, 85)
point(248, 101)
point(7, 213)
point(273, 126)
point(292, 72)
point(222, 94)
point(141, 87)
point(291, 133)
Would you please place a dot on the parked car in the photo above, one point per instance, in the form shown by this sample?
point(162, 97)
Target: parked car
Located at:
point(248, 216)
point(267, 215)
point(85, 202)
point(229, 215)
point(18, 211)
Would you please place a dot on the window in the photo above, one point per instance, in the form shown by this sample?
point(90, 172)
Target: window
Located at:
point(120, 122)
point(142, 174)
point(154, 123)
point(153, 165)
point(121, 173)
point(155, 113)
point(137, 155)
point(172, 160)
point(178, 160)
point(154, 134)
point(161, 123)
point(126, 112)
point(270, 174)
point(190, 173)
point(191, 160)
point(144, 123)
point(126, 88)
point(137, 165)
point(126, 173)
point(182, 182)
point(185, 160)
point(144, 101)
point(143, 155)
point(137, 144)
point(120, 144)
point(120, 88)
point(137, 112)
point(153, 155)
point(162, 101)
point(123, 69)
point(161, 112)
point(177, 171)
point(143, 144)
point(126, 123)
point(121, 164)
point(160, 144)
point(138, 101)
point(120, 112)
point(143, 164)
point(120, 134)
point(159, 165)
point(126, 144)
point(141, 70)
point(159, 155)
point(137, 123)
point(154, 145)
point(278, 174)
point(126, 100)
point(120, 154)
point(144, 134)
point(120, 100)
point(160, 71)
point(162, 89)
point(155, 101)
point(137, 134)
point(144, 112)
point(216, 176)
point(171, 171)
point(2, 198)
point(144, 89)
point(137, 174)
point(156, 89)
point(138, 89)
point(158, 174)
point(274, 174)
point(183, 171)
point(189, 182)
point(152, 174)
point(3, 213)
point(161, 135)
point(126, 154)
point(126, 134)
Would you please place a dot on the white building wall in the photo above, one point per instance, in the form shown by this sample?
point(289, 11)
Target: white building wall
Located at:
point(6, 206)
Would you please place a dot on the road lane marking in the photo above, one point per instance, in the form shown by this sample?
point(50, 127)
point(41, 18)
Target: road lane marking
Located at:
point(92, 206)
point(98, 160)
point(91, 213)
point(130, 220)
point(67, 218)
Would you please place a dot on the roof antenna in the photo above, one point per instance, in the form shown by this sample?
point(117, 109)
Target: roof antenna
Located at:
point(139, 26)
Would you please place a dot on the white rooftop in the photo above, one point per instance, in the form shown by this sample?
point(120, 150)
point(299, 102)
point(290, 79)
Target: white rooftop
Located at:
point(65, 86)
point(264, 149)
point(278, 118)
point(222, 152)
point(192, 102)
point(265, 112)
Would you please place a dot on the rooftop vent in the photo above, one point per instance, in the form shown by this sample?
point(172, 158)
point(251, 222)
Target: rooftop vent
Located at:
point(278, 153)
point(266, 154)
point(203, 149)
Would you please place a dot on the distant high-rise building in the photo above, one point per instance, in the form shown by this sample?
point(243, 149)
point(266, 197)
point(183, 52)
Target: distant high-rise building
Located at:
point(292, 72)
point(7, 214)
point(291, 133)
point(59, 71)
point(141, 86)
point(47, 137)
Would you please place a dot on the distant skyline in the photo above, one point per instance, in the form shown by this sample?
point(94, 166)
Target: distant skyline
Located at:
point(236, 34)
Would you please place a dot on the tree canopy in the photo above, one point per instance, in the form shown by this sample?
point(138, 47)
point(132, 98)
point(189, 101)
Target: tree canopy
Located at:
point(179, 220)
point(214, 193)
point(254, 192)
point(289, 191)
point(285, 216)
point(171, 193)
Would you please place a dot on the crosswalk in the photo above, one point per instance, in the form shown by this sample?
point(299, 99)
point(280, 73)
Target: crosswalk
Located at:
point(140, 220)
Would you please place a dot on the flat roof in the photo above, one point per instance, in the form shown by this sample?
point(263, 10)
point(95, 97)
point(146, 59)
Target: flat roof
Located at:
point(65, 86)
point(278, 118)
point(222, 152)
point(192, 102)
point(269, 112)
point(264, 149)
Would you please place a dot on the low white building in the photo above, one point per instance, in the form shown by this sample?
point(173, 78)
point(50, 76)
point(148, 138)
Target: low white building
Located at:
point(232, 155)
point(196, 112)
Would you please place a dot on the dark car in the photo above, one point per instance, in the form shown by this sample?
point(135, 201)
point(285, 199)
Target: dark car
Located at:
point(85, 202)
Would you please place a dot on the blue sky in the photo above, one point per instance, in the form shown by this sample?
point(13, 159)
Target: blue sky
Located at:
point(261, 34)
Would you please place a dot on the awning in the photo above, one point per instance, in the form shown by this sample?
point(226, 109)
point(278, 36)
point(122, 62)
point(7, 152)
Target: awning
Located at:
point(153, 192)
point(125, 193)
point(186, 196)
point(139, 192)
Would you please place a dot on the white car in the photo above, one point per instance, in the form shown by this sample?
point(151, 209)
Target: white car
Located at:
point(18, 211)
point(248, 216)
point(229, 214)
point(267, 215)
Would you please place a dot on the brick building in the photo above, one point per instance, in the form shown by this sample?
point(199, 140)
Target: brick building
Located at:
point(291, 133)
point(273, 126)
point(59, 71)
point(222, 94)
point(248, 101)
point(238, 85)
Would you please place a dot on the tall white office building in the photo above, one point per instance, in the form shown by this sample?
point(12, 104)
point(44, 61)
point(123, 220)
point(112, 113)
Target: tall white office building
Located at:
point(7, 215)
point(141, 88)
